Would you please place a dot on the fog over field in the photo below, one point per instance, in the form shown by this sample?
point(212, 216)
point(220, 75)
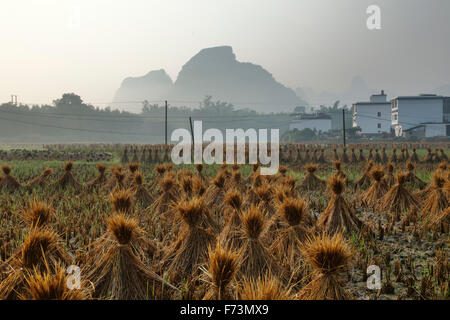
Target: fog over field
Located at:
point(317, 48)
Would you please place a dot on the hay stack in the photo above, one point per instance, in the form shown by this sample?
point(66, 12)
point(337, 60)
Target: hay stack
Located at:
point(67, 179)
point(230, 234)
point(389, 177)
point(361, 156)
point(41, 250)
point(116, 270)
point(266, 287)
point(329, 257)
point(141, 195)
point(414, 157)
point(353, 158)
point(311, 182)
point(101, 179)
point(124, 158)
point(38, 214)
point(42, 180)
point(398, 199)
point(436, 201)
point(295, 219)
point(8, 182)
point(393, 158)
point(378, 188)
point(364, 180)
point(255, 259)
point(47, 285)
point(129, 180)
point(338, 215)
point(384, 157)
point(411, 177)
point(190, 249)
point(222, 266)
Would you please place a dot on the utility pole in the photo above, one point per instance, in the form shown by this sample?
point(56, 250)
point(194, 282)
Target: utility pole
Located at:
point(343, 125)
point(192, 130)
point(165, 136)
point(192, 138)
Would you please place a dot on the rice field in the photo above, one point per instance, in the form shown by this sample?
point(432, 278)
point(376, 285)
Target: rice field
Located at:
point(131, 225)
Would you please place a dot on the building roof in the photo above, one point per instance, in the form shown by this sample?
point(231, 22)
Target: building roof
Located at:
point(318, 116)
point(374, 103)
point(422, 96)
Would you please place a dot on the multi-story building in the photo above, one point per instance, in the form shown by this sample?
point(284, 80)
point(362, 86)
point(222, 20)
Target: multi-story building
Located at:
point(409, 112)
point(374, 116)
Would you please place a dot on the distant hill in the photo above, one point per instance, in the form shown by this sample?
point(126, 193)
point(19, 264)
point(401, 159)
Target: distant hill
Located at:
point(216, 72)
point(357, 91)
point(154, 85)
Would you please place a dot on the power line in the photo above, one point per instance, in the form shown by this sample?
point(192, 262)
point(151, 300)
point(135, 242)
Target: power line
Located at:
point(75, 129)
point(137, 117)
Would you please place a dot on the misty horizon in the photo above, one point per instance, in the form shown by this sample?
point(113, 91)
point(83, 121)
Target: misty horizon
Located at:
point(319, 48)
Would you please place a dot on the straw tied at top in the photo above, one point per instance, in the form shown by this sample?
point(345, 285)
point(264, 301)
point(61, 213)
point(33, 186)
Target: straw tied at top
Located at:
point(234, 139)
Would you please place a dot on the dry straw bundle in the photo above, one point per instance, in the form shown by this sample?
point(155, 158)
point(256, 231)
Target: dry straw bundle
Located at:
point(329, 257)
point(364, 181)
point(216, 191)
point(378, 188)
point(186, 183)
point(222, 266)
point(361, 158)
point(191, 247)
point(47, 285)
point(162, 207)
point(135, 158)
point(100, 179)
point(141, 195)
point(115, 268)
point(353, 158)
point(41, 180)
point(124, 158)
point(38, 214)
point(384, 157)
point(255, 258)
point(67, 179)
point(344, 157)
point(129, 180)
point(398, 199)
point(338, 214)
point(436, 201)
point(122, 201)
point(266, 287)
point(389, 177)
point(338, 171)
point(263, 195)
point(230, 233)
point(311, 182)
point(414, 157)
point(294, 229)
point(41, 250)
point(8, 182)
point(393, 158)
point(411, 177)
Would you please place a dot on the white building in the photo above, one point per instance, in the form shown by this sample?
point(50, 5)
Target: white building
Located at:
point(428, 130)
point(374, 116)
point(318, 122)
point(429, 110)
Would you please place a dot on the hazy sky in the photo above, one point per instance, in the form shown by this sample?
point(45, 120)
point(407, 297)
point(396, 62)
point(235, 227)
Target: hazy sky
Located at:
point(310, 43)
